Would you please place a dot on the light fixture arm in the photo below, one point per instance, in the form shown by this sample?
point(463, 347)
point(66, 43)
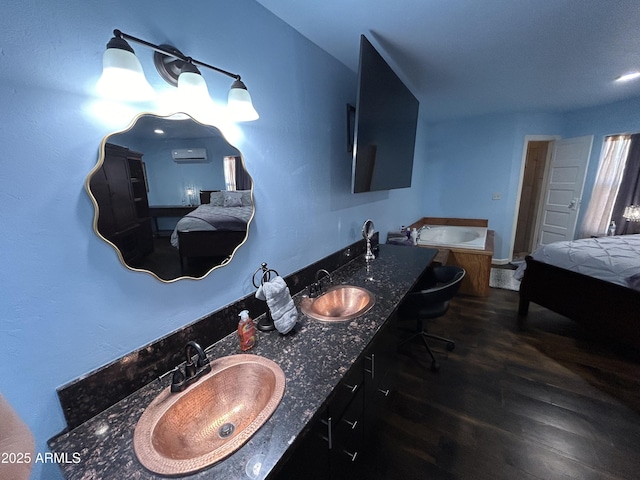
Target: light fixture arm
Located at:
point(172, 53)
point(122, 75)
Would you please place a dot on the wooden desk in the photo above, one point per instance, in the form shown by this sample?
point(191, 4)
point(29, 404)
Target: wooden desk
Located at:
point(166, 211)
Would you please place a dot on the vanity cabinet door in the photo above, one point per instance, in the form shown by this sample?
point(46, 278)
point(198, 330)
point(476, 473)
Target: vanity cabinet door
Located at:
point(345, 423)
point(347, 440)
point(347, 390)
point(379, 375)
point(310, 459)
point(379, 358)
point(335, 445)
point(331, 445)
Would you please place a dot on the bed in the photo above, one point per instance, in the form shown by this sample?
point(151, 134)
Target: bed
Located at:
point(216, 227)
point(595, 282)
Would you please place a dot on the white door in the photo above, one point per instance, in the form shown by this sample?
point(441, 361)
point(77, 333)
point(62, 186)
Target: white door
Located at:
point(563, 192)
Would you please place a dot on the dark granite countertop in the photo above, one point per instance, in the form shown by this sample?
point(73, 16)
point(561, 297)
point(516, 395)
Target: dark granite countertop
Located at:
point(314, 357)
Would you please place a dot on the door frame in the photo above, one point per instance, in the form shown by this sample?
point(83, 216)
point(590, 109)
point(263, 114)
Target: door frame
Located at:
point(523, 161)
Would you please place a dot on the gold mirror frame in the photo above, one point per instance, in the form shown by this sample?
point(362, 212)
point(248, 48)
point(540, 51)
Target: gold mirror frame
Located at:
point(130, 163)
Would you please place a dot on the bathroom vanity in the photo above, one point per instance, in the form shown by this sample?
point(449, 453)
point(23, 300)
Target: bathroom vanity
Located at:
point(334, 374)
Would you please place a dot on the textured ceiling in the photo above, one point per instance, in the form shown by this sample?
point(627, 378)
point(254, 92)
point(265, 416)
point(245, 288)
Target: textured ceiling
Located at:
point(472, 57)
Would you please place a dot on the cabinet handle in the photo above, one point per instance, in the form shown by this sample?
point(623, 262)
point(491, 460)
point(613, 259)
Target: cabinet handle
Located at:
point(372, 359)
point(384, 392)
point(329, 433)
point(352, 455)
point(351, 424)
point(353, 388)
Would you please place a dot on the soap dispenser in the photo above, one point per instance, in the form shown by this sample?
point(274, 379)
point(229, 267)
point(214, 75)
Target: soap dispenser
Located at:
point(246, 331)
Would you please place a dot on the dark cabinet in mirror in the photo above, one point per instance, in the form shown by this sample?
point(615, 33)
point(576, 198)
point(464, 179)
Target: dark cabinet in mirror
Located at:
point(172, 196)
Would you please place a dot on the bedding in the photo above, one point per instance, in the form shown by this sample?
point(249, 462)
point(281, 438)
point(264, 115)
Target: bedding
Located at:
point(210, 217)
point(613, 259)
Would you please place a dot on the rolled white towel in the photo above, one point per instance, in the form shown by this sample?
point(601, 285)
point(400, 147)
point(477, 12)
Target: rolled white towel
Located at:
point(280, 303)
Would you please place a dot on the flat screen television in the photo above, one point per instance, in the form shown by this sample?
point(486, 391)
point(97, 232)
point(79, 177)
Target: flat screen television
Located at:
point(386, 118)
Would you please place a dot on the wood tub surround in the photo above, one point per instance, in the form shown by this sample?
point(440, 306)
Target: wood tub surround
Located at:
point(477, 263)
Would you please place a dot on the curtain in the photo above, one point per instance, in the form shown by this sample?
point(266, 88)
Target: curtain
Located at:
point(606, 186)
point(243, 180)
point(629, 191)
point(235, 176)
point(229, 173)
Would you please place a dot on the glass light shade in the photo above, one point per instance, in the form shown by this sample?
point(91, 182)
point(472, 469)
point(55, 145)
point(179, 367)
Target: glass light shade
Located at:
point(632, 213)
point(240, 106)
point(192, 88)
point(122, 77)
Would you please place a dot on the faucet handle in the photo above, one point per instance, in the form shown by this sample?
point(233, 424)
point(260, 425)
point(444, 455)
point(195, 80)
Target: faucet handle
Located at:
point(202, 361)
point(177, 381)
point(190, 370)
point(314, 290)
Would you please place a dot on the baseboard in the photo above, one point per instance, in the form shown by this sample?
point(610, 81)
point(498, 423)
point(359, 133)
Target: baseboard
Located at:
point(500, 261)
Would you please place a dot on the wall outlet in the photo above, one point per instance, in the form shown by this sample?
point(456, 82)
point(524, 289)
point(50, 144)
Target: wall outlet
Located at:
point(496, 196)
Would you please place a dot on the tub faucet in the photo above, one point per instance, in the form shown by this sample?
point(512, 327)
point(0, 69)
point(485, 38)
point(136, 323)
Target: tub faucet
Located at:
point(315, 289)
point(192, 372)
point(422, 228)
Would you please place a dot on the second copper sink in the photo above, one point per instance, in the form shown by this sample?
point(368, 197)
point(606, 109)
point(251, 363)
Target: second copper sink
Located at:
point(339, 303)
point(184, 432)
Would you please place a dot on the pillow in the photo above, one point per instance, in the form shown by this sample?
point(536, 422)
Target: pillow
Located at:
point(232, 199)
point(246, 198)
point(216, 199)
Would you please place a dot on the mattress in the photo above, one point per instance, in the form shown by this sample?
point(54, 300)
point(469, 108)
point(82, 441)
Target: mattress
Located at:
point(613, 259)
point(213, 217)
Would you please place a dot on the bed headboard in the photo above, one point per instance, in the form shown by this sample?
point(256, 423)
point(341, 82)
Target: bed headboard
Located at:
point(205, 196)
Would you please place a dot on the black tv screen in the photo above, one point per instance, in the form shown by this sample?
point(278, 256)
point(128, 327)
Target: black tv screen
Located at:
point(385, 126)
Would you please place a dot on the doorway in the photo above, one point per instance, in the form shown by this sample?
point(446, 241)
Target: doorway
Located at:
point(552, 181)
point(535, 165)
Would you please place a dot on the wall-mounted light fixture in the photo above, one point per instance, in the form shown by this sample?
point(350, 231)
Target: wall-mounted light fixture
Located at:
point(123, 77)
point(627, 77)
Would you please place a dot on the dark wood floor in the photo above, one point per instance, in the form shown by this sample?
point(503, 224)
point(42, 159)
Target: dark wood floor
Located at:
point(550, 402)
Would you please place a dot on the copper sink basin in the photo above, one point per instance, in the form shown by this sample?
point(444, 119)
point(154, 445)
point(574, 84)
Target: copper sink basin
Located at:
point(339, 303)
point(184, 432)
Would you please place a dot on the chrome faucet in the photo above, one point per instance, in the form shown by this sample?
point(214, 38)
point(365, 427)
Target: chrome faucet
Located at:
point(368, 231)
point(192, 372)
point(315, 289)
point(421, 229)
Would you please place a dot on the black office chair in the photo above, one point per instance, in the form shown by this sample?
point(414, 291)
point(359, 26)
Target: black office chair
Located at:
point(430, 299)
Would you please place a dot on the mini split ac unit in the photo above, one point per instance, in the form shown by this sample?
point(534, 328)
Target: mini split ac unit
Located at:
point(189, 155)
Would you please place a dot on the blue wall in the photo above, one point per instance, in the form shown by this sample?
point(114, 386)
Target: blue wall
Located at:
point(470, 159)
point(68, 306)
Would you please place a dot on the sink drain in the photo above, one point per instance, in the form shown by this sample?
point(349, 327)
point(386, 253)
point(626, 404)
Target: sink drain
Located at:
point(225, 430)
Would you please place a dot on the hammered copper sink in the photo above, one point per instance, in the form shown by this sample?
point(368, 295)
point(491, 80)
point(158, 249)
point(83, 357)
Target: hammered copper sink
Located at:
point(180, 433)
point(339, 303)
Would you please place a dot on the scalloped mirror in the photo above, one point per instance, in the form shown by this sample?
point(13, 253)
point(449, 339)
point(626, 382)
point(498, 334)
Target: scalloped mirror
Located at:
point(172, 197)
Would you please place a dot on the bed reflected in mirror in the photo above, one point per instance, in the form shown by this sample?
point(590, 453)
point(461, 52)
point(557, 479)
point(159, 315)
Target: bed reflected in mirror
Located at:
point(172, 196)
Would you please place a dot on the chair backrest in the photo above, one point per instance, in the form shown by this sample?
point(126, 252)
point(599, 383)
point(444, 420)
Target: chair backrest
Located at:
point(447, 279)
